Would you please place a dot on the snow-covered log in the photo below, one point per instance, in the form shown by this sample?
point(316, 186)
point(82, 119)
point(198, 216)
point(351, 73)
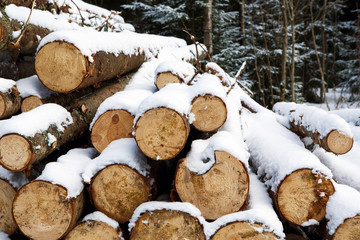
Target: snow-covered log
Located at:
point(214, 176)
point(9, 183)
point(257, 221)
point(31, 136)
point(94, 226)
point(227, 81)
point(164, 220)
point(329, 131)
point(119, 179)
point(49, 206)
point(299, 182)
point(67, 61)
point(343, 213)
point(161, 123)
point(114, 118)
point(10, 99)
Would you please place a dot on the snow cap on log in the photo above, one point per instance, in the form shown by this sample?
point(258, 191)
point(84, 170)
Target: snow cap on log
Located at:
point(6, 84)
point(99, 216)
point(259, 210)
point(227, 81)
point(9, 98)
point(16, 179)
point(343, 209)
point(67, 170)
point(122, 151)
point(31, 86)
point(208, 84)
point(173, 72)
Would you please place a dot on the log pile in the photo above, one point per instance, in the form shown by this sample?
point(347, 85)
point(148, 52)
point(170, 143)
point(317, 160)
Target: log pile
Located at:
point(162, 130)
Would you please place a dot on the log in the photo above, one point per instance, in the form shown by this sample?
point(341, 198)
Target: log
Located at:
point(7, 194)
point(162, 220)
point(22, 145)
point(114, 118)
point(10, 99)
point(94, 226)
point(329, 131)
point(226, 80)
point(300, 185)
point(115, 54)
point(43, 211)
point(119, 180)
point(212, 179)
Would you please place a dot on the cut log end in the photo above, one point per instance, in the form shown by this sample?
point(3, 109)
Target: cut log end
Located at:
point(15, 152)
point(110, 126)
point(210, 113)
point(93, 230)
point(2, 105)
point(243, 231)
point(61, 61)
point(30, 103)
point(220, 191)
point(161, 133)
point(339, 143)
point(167, 224)
point(7, 194)
point(303, 195)
point(165, 78)
point(118, 190)
point(350, 229)
point(43, 211)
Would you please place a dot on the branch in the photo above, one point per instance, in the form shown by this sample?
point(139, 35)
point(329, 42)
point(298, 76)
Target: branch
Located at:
point(82, 18)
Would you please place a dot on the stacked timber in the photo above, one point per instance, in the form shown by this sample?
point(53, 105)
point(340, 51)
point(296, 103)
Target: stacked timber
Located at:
point(10, 99)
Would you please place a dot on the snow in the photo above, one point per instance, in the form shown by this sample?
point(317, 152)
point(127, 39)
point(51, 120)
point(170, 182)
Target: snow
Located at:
point(4, 236)
point(101, 217)
point(170, 206)
point(37, 120)
point(260, 210)
point(313, 119)
point(182, 69)
point(126, 42)
point(6, 85)
point(276, 151)
point(31, 86)
point(122, 151)
point(16, 179)
point(220, 73)
point(208, 84)
point(128, 100)
point(202, 154)
point(67, 170)
point(343, 204)
point(352, 116)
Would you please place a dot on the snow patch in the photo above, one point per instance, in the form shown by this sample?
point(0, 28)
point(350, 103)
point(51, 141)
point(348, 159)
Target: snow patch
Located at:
point(31, 86)
point(6, 85)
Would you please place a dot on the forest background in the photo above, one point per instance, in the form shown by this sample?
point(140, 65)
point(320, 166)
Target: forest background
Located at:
point(295, 50)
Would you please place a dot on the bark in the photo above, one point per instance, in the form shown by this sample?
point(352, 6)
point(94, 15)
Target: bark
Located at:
point(40, 203)
point(214, 192)
point(19, 152)
point(9, 103)
point(92, 230)
point(81, 72)
point(283, 7)
point(208, 26)
point(161, 133)
point(7, 194)
point(165, 224)
point(117, 190)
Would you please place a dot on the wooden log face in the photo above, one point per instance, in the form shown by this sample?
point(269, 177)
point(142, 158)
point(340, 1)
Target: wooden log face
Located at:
point(110, 126)
point(93, 230)
point(61, 61)
point(167, 224)
point(220, 191)
point(338, 143)
point(242, 230)
point(165, 78)
point(15, 152)
point(350, 229)
point(7, 194)
point(42, 211)
point(210, 113)
point(298, 196)
point(30, 103)
point(161, 133)
point(118, 190)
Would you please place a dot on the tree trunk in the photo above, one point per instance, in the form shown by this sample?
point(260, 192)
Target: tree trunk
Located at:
point(208, 26)
point(214, 192)
point(117, 190)
point(19, 151)
point(54, 57)
point(161, 133)
point(283, 7)
point(7, 194)
point(40, 203)
point(165, 223)
point(93, 230)
point(293, 41)
point(9, 102)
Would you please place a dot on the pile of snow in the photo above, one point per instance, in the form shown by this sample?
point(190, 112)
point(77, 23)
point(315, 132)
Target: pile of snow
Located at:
point(32, 86)
point(6, 85)
point(16, 179)
point(352, 116)
point(184, 70)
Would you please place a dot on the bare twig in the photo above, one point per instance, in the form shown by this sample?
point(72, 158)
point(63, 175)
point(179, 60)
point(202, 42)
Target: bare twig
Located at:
point(103, 24)
point(82, 18)
point(196, 48)
point(240, 84)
